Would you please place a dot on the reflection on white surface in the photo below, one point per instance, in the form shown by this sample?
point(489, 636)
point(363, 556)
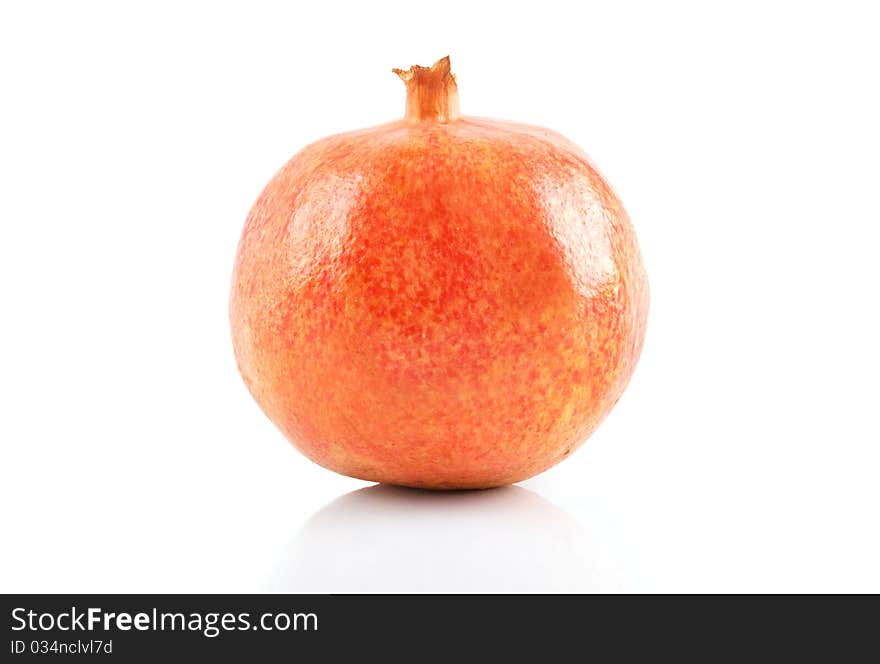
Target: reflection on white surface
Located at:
point(389, 539)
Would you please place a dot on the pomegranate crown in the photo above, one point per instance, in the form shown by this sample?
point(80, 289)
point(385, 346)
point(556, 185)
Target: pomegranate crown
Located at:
point(431, 92)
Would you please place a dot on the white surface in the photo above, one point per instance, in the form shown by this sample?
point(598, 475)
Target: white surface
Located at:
point(744, 142)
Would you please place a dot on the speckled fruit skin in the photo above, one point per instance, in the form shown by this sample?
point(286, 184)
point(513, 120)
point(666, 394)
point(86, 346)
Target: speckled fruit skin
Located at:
point(438, 304)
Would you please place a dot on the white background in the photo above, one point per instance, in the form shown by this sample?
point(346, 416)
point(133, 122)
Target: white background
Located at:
point(744, 142)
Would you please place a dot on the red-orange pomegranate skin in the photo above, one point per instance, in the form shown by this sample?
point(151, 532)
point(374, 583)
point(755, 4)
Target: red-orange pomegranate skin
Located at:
point(439, 302)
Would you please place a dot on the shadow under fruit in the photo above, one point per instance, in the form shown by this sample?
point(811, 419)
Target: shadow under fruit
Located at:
point(440, 302)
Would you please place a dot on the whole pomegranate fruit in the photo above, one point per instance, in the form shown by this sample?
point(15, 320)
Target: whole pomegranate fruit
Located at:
point(440, 302)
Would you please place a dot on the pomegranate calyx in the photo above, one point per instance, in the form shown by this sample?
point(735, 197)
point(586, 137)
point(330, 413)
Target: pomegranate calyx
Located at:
point(431, 92)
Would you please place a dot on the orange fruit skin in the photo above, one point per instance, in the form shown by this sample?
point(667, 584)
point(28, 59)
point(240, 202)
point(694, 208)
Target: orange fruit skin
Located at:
point(445, 306)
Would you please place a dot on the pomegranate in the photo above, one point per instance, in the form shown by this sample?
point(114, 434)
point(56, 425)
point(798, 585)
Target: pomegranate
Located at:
point(443, 301)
